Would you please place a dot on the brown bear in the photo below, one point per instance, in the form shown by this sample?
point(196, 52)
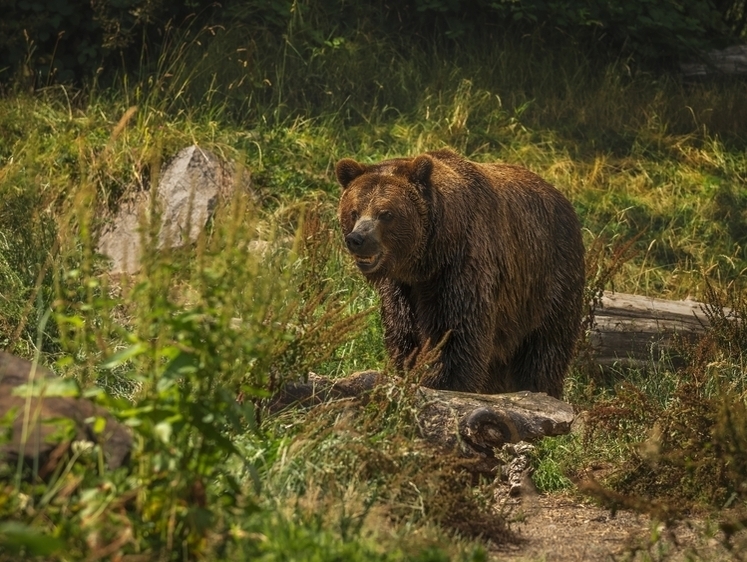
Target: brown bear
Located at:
point(486, 260)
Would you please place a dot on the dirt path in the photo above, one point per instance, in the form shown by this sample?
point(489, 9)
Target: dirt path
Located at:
point(560, 528)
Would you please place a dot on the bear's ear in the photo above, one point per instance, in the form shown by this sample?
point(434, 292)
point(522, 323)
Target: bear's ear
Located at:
point(420, 170)
point(347, 170)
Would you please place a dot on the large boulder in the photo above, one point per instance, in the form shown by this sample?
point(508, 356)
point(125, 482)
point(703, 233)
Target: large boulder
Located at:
point(45, 423)
point(190, 187)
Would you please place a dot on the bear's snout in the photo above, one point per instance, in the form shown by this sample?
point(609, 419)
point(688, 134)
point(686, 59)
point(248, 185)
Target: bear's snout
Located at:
point(362, 241)
point(354, 241)
point(364, 244)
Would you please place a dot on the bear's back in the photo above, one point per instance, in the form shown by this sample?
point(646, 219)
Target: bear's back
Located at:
point(508, 199)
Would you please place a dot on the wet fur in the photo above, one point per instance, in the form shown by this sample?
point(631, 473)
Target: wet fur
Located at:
point(488, 256)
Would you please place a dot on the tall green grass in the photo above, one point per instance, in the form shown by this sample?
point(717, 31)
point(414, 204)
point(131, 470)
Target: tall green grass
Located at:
point(645, 159)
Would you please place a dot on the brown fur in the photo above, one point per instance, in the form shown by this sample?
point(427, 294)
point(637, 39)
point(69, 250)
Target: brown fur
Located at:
point(486, 258)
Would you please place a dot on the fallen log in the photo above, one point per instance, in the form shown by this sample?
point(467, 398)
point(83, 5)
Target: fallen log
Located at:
point(470, 425)
point(475, 425)
point(731, 61)
point(44, 422)
point(632, 331)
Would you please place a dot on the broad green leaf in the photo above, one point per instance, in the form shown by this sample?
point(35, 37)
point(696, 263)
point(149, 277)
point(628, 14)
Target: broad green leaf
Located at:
point(56, 387)
point(125, 355)
point(94, 392)
point(99, 425)
point(164, 430)
point(182, 364)
point(18, 538)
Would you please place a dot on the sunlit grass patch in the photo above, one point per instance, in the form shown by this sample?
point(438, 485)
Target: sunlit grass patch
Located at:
point(646, 161)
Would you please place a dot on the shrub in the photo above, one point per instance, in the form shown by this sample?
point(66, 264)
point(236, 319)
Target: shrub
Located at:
point(685, 444)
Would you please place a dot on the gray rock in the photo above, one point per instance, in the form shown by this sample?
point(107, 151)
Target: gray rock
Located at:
point(190, 187)
point(729, 61)
point(43, 428)
point(188, 193)
point(120, 240)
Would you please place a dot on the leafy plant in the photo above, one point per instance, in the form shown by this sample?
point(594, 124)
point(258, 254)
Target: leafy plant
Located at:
point(685, 444)
point(191, 346)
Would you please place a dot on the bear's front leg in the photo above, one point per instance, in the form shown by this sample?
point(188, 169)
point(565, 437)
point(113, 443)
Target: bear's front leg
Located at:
point(459, 365)
point(398, 318)
point(458, 323)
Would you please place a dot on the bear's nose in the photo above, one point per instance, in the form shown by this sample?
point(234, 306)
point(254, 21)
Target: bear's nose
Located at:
point(354, 241)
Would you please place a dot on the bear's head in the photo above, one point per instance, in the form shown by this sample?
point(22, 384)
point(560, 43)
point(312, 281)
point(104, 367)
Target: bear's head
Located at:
point(384, 214)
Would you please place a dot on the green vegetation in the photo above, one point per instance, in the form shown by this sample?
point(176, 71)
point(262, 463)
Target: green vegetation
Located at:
point(655, 167)
point(45, 41)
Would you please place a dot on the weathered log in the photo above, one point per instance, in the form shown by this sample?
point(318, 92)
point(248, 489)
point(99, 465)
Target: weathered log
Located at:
point(475, 425)
point(470, 425)
point(635, 331)
point(731, 61)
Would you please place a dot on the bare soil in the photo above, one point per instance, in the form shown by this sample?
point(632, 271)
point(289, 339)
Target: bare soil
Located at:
point(562, 528)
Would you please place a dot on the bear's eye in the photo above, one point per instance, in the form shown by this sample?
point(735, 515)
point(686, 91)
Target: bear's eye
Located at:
point(354, 216)
point(385, 216)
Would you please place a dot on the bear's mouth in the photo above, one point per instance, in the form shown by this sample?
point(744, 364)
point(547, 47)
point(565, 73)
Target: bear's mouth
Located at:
point(367, 263)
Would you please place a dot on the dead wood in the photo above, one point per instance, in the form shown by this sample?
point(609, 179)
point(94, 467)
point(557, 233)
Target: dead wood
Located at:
point(636, 331)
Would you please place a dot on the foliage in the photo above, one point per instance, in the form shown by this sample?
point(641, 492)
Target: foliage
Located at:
point(734, 14)
point(48, 42)
point(170, 346)
point(553, 460)
point(654, 168)
point(682, 439)
point(356, 470)
point(646, 28)
point(45, 42)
